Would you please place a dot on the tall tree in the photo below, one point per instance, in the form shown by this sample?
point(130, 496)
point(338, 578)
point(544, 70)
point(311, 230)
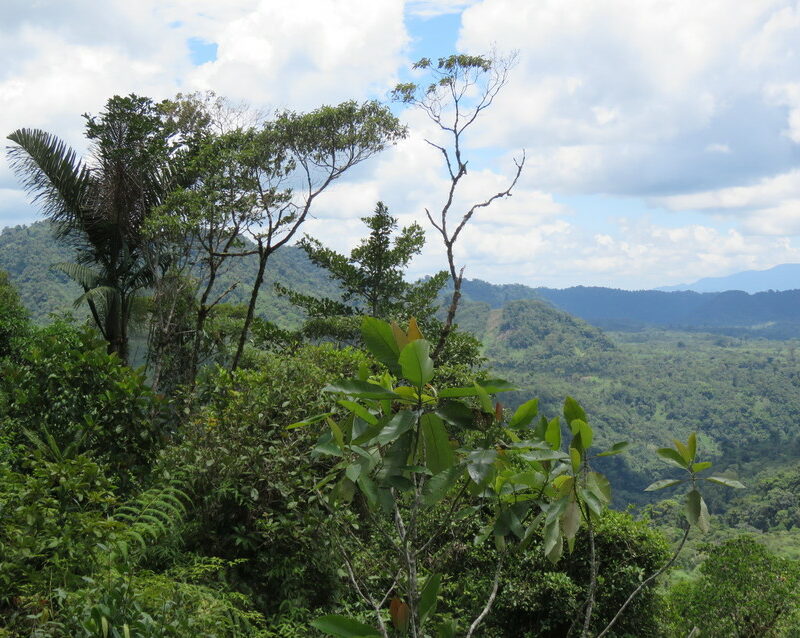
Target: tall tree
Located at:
point(294, 160)
point(461, 87)
point(100, 203)
point(371, 278)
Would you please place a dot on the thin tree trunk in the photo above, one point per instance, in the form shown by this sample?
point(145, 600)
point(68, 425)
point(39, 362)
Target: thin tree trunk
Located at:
point(263, 256)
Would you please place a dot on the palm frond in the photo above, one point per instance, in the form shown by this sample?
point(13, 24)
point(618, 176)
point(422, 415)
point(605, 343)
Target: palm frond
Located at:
point(104, 295)
point(51, 172)
point(84, 276)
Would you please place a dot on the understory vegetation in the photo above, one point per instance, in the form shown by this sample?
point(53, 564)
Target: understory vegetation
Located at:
point(375, 458)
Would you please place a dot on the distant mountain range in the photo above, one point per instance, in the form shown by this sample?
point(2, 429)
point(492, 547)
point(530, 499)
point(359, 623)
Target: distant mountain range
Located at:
point(27, 252)
point(781, 277)
point(772, 315)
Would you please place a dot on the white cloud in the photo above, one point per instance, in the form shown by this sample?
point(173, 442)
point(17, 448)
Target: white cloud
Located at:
point(433, 8)
point(625, 96)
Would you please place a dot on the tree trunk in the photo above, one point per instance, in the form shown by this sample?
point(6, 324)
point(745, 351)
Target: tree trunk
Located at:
point(263, 256)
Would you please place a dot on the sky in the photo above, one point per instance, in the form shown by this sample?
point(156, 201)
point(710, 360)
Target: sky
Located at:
point(662, 137)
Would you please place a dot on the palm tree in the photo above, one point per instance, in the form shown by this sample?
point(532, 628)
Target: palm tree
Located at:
point(100, 204)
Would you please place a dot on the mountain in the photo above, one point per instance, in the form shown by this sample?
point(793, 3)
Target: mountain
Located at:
point(741, 395)
point(28, 253)
point(772, 315)
point(781, 277)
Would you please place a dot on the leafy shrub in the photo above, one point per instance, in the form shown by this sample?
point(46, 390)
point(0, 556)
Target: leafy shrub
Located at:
point(742, 590)
point(65, 385)
point(254, 479)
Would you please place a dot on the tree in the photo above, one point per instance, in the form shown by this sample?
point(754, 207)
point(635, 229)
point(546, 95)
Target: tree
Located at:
point(392, 445)
point(293, 160)
point(13, 317)
point(371, 278)
point(101, 203)
point(743, 591)
point(460, 88)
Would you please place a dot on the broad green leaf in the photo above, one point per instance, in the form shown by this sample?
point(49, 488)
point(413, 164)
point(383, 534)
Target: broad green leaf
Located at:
point(660, 485)
point(359, 410)
point(446, 629)
point(575, 426)
point(524, 414)
point(553, 434)
point(428, 596)
point(361, 389)
point(600, 486)
point(397, 456)
point(485, 400)
point(437, 486)
point(699, 467)
point(326, 445)
point(586, 435)
point(336, 431)
point(368, 489)
point(692, 445)
point(343, 491)
point(310, 420)
point(723, 480)
point(529, 479)
point(553, 544)
point(456, 413)
point(696, 511)
point(541, 429)
point(570, 523)
point(672, 456)
point(372, 431)
point(398, 425)
point(573, 410)
point(615, 449)
point(353, 471)
point(683, 451)
point(575, 458)
point(480, 464)
point(564, 483)
point(416, 363)
point(592, 501)
point(343, 627)
point(438, 451)
point(380, 341)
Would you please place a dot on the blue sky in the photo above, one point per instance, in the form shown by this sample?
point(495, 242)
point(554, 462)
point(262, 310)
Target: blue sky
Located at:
point(662, 136)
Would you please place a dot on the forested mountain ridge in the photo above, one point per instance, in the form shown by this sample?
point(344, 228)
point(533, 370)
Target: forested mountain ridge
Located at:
point(28, 253)
point(771, 314)
point(736, 393)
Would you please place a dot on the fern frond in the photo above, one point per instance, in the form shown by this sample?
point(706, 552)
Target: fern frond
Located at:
point(157, 512)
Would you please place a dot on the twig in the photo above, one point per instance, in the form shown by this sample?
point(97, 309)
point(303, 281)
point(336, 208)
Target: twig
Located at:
point(488, 606)
point(646, 582)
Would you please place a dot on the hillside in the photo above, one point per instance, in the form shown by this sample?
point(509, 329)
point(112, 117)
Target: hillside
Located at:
point(28, 252)
point(771, 315)
point(742, 395)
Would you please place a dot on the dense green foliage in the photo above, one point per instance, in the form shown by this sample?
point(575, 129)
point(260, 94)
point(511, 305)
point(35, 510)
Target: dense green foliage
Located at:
point(252, 479)
point(742, 590)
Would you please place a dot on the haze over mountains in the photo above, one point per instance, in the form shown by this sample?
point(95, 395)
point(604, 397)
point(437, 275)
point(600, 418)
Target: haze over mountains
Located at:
point(780, 277)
